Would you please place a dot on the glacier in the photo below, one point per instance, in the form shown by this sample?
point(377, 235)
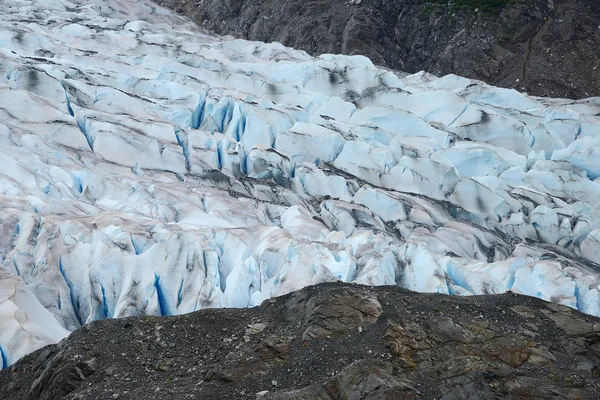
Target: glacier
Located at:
point(149, 167)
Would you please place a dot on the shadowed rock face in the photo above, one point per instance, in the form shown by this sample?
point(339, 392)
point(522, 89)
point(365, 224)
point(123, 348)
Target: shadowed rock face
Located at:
point(543, 47)
point(330, 341)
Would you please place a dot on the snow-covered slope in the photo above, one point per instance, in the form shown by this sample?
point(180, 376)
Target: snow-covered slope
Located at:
point(149, 168)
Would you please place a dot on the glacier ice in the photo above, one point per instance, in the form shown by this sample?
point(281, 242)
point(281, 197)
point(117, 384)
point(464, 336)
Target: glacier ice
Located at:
point(148, 167)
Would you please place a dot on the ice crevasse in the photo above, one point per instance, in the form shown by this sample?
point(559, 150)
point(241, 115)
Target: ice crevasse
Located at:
point(147, 167)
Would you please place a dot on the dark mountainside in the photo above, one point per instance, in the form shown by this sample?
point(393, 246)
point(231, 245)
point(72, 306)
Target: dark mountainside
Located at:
point(330, 341)
point(543, 47)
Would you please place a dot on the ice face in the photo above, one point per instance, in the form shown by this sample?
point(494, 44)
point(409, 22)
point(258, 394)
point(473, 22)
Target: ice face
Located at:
point(150, 168)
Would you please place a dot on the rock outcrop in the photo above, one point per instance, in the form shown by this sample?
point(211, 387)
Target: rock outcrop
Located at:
point(543, 47)
point(330, 341)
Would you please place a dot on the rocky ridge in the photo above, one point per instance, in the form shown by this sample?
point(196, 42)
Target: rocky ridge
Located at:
point(329, 341)
point(543, 47)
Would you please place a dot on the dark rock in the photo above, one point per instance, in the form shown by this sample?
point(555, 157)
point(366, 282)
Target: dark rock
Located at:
point(308, 345)
point(543, 47)
point(363, 379)
point(334, 315)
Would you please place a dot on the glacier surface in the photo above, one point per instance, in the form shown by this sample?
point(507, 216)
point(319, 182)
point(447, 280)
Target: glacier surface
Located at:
point(148, 167)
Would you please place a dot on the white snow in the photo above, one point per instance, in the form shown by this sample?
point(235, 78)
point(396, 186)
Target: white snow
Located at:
point(147, 167)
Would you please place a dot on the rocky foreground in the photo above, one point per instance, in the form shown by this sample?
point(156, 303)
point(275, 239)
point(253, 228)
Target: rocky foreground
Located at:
point(543, 47)
point(329, 341)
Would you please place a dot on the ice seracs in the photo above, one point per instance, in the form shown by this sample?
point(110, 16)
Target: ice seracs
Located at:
point(151, 168)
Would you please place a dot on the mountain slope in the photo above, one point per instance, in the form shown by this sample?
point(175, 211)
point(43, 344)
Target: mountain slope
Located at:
point(543, 47)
